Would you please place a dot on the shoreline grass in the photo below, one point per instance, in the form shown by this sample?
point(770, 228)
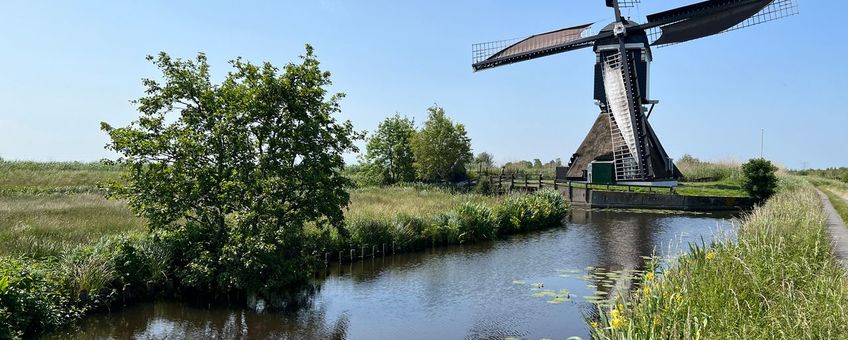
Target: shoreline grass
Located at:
point(778, 279)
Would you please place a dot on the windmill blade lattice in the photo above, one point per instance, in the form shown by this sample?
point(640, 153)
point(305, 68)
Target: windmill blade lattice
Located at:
point(774, 10)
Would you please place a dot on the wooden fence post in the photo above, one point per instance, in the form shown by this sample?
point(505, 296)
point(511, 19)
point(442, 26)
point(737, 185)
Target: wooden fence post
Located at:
point(540, 181)
point(511, 182)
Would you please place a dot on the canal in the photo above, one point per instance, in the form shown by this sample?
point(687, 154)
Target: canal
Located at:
point(530, 286)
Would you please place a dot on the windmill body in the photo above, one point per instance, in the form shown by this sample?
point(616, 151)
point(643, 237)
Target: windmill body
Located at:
point(621, 134)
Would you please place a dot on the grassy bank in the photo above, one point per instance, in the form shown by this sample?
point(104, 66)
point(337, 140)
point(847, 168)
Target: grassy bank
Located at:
point(66, 251)
point(779, 279)
point(836, 191)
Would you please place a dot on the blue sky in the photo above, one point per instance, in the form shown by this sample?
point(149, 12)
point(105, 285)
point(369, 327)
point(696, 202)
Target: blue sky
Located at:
point(66, 66)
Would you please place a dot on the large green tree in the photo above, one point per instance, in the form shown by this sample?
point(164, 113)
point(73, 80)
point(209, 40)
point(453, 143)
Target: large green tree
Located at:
point(228, 174)
point(389, 151)
point(441, 148)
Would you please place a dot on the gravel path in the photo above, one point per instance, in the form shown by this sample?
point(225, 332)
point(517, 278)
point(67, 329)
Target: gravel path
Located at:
point(837, 230)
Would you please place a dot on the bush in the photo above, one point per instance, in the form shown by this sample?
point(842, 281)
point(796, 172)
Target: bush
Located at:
point(370, 231)
point(759, 179)
point(474, 222)
point(30, 303)
point(541, 209)
point(483, 186)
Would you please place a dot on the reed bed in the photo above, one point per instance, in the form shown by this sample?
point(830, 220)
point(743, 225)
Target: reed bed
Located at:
point(694, 169)
point(779, 279)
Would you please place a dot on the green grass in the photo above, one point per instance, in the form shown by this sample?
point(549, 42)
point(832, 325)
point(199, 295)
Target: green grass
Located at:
point(778, 279)
point(380, 202)
point(695, 169)
point(46, 225)
point(836, 191)
point(48, 178)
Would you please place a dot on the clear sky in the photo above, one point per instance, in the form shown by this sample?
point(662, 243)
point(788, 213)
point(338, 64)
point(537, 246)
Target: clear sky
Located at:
point(66, 66)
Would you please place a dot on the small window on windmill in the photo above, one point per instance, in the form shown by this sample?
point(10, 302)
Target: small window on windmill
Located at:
point(601, 172)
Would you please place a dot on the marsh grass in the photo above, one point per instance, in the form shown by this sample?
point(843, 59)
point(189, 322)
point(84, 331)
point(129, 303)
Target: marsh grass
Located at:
point(779, 279)
point(694, 169)
point(59, 177)
point(45, 225)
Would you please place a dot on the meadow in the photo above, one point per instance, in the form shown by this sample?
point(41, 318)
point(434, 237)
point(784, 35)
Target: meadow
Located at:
point(779, 278)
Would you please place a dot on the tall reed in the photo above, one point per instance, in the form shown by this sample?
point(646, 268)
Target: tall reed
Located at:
point(779, 279)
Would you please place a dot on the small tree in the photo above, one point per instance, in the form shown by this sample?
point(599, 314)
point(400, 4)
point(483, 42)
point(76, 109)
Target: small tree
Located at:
point(228, 174)
point(389, 151)
point(441, 148)
point(484, 159)
point(759, 179)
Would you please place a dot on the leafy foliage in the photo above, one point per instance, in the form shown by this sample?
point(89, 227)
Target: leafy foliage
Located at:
point(474, 222)
point(759, 178)
point(389, 151)
point(519, 213)
point(228, 174)
point(30, 303)
point(441, 148)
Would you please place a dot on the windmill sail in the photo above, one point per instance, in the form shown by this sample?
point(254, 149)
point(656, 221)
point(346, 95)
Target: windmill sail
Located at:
point(503, 52)
point(623, 127)
point(713, 17)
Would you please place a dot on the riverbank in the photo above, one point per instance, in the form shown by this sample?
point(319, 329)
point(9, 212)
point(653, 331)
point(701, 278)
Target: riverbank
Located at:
point(66, 251)
point(779, 277)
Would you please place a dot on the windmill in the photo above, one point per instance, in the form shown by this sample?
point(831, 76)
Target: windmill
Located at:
point(621, 133)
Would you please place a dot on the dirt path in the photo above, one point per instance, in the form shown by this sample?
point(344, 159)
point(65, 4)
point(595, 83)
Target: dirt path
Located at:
point(837, 230)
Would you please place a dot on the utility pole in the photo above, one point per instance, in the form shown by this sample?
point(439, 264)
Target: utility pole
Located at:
point(762, 138)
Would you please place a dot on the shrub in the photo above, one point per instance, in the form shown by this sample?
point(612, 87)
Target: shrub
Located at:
point(759, 179)
point(483, 186)
point(474, 222)
point(30, 303)
point(525, 212)
point(408, 230)
point(370, 231)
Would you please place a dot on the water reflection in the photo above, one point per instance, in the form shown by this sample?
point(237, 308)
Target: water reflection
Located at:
point(477, 291)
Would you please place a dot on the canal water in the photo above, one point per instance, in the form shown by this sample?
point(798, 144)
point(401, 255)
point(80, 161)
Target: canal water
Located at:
point(530, 286)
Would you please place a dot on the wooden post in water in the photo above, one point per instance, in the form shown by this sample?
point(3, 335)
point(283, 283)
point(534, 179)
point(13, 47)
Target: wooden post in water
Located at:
point(393, 247)
point(373, 251)
point(326, 258)
point(340, 256)
point(384, 250)
point(352, 254)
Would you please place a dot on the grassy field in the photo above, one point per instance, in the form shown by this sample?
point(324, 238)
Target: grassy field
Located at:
point(46, 208)
point(779, 279)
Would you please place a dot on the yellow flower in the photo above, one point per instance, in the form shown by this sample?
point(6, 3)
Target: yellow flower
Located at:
point(620, 307)
point(594, 324)
point(647, 290)
point(649, 276)
point(656, 321)
point(617, 322)
point(710, 255)
point(679, 298)
point(615, 314)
